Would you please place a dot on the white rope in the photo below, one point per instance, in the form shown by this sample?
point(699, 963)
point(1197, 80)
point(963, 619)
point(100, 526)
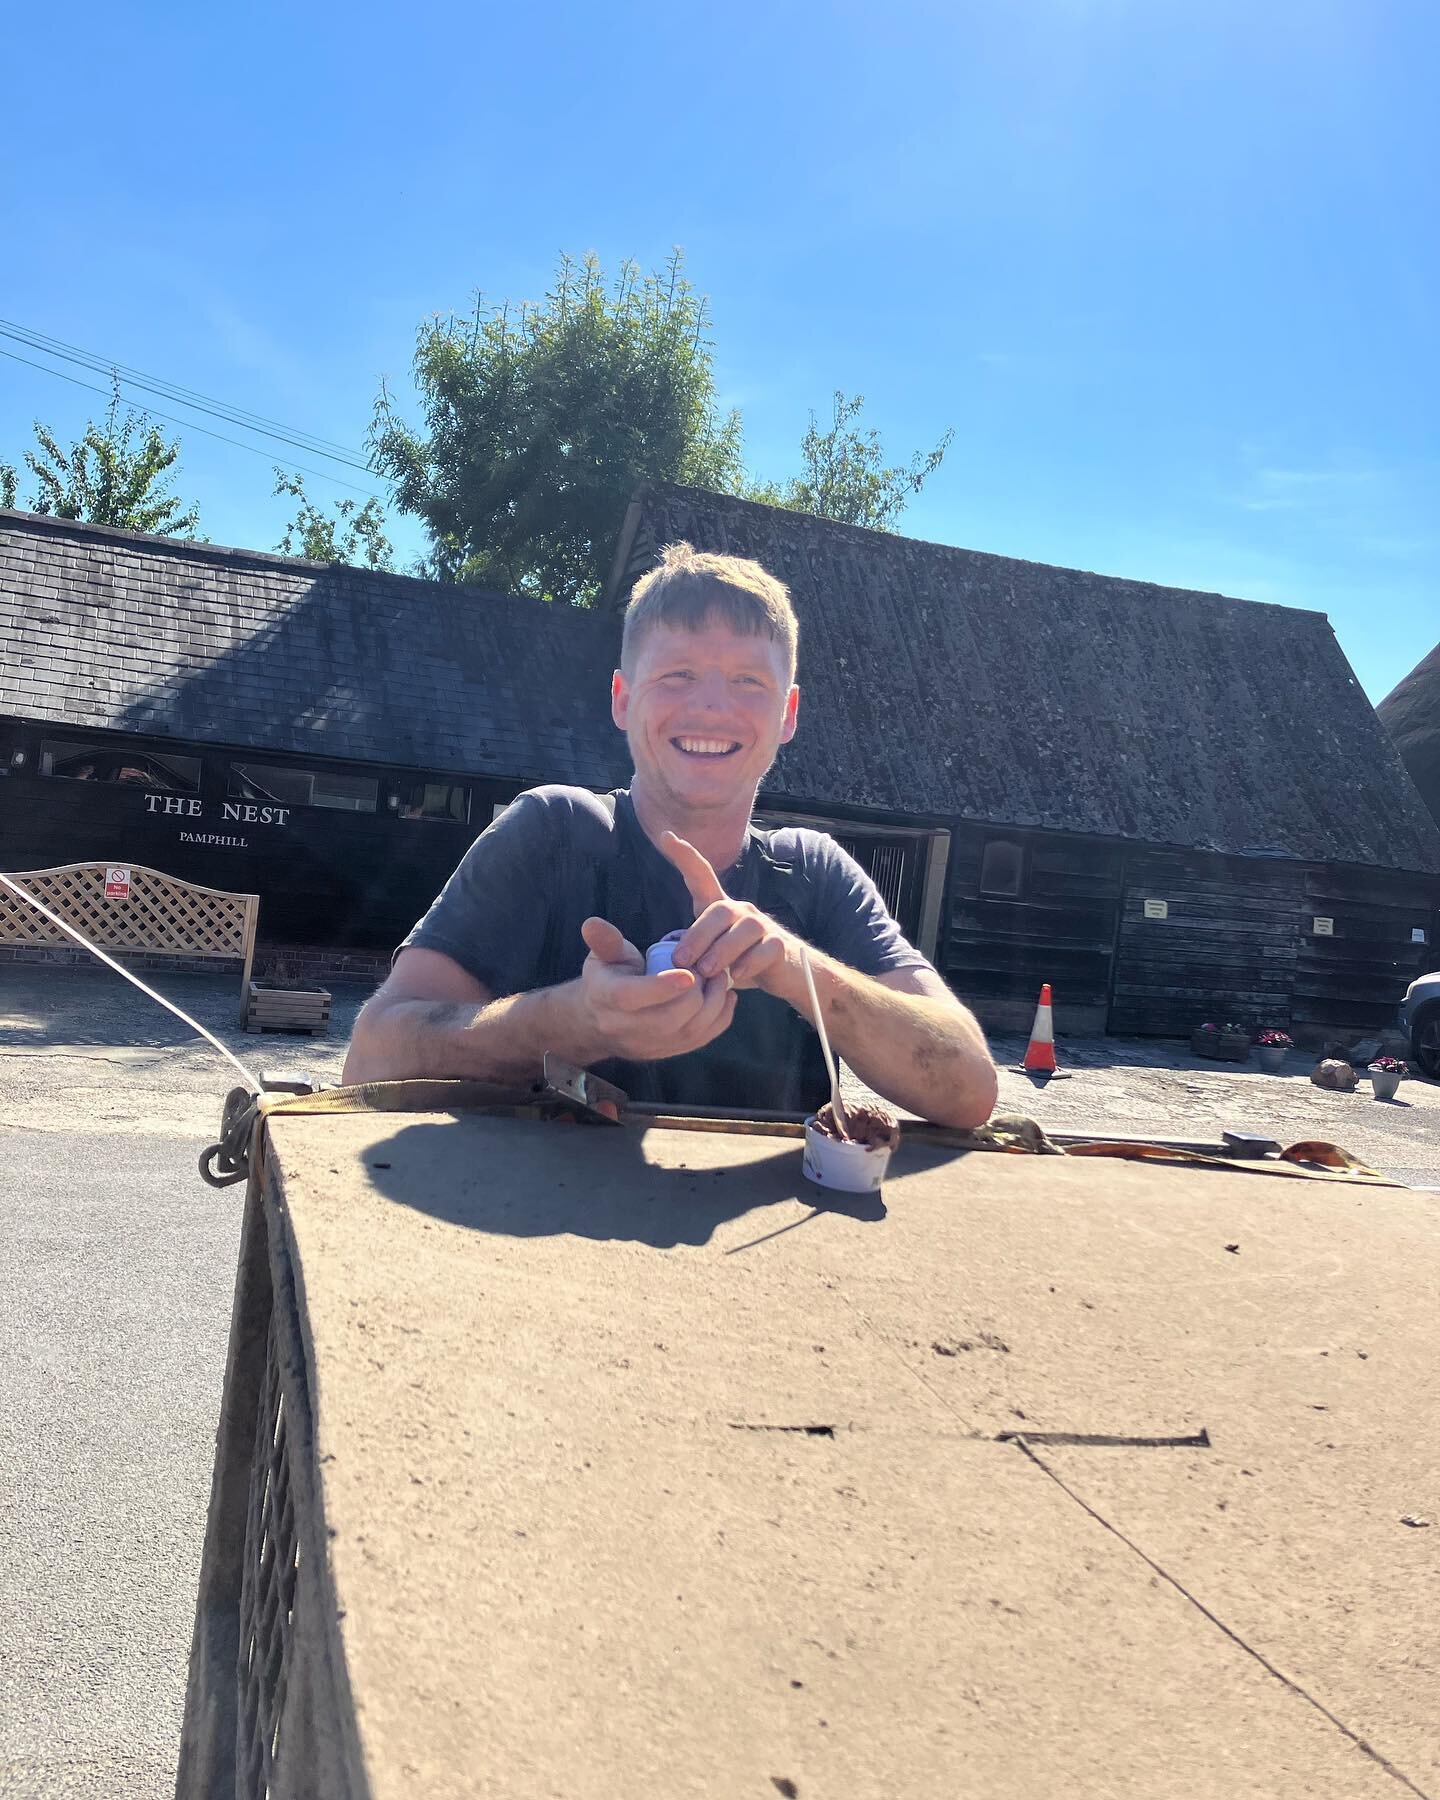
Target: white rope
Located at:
point(110, 962)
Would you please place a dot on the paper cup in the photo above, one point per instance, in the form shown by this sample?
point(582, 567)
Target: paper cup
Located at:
point(847, 1168)
point(661, 956)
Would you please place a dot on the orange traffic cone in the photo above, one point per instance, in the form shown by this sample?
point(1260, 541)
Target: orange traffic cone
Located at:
point(1040, 1051)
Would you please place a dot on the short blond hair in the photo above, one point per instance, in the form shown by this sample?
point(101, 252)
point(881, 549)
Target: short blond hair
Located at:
point(689, 587)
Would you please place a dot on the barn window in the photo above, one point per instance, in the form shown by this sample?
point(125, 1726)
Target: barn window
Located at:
point(303, 787)
point(1002, 867)
point(123, 763)
point(444, 800)
point(887, 861)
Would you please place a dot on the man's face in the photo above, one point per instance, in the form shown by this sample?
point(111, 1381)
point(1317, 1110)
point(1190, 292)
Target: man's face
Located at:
point(705, 712)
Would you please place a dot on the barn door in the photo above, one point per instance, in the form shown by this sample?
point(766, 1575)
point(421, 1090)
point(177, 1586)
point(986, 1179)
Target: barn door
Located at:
point(1204, 938)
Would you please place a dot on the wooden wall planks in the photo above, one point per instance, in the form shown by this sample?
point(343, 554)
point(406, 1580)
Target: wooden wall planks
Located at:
point(1060, 928)
point(1238, 941)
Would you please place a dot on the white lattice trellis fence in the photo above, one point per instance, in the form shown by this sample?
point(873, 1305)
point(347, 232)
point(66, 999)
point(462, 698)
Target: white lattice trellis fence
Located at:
point(159, 916)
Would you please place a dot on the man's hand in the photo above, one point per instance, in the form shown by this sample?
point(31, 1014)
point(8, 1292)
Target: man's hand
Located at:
point(905, 1033)
point(646, 1018)
point(729, 937)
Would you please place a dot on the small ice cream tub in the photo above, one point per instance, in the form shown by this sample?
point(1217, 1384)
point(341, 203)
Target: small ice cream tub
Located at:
point(847, 1168)
point(661, 956)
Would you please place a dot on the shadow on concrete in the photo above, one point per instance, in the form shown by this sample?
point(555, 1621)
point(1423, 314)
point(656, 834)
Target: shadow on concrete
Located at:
point(559, 1179)
point(52, 1006)
point(869, 1208)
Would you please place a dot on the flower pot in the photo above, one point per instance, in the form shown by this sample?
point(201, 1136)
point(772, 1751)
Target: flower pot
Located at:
point(1272, 1057)
point(274, 1008)
point(1221, 1046)
point(1384, 1082)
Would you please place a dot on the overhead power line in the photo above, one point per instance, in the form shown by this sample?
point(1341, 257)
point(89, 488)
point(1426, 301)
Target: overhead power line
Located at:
point(218, 409)
point(42, 339)
point(151, 412)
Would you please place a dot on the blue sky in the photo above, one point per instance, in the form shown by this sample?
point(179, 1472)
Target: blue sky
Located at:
point(1169, 271)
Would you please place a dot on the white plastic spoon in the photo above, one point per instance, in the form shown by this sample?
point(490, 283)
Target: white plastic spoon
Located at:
point(836, 1103)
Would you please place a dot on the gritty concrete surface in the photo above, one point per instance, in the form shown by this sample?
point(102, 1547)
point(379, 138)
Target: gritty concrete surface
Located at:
point(665, 1478)
point(83, 1051)
point(117, 1274)
point(118, 1266)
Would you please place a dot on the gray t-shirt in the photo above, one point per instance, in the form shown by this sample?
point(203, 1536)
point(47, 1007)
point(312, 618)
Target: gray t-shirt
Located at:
point(511, 915)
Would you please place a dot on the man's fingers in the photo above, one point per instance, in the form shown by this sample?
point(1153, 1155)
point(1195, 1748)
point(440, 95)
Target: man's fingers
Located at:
point(698, 1016)
point(607, 943)
point(722, 995)
point(713, 923)
point(713, 1017)
point(700, 878)
point(743, 935)
point(658, 1029)
point(747, 969)
point(656, 1015)
point(717, 1020)
point(636, 992)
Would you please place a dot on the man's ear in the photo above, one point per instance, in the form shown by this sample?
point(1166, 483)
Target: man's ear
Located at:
point(792, 710)
point(619, 698)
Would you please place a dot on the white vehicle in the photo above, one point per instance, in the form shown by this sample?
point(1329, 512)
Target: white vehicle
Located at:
point(1420, 1021)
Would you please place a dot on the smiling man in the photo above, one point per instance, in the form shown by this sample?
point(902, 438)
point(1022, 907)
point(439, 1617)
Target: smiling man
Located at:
point(537, 941)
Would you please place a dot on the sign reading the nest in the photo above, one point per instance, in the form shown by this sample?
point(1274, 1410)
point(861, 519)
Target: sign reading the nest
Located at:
point(239, 812)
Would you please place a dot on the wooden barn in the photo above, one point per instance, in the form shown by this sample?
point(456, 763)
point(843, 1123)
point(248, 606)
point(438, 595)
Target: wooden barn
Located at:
point(1411, 714)
point(1173, 806)
point(329, 738)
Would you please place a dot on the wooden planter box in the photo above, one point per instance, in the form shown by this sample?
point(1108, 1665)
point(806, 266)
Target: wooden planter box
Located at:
point(272, 1008)
point(1221, 1046)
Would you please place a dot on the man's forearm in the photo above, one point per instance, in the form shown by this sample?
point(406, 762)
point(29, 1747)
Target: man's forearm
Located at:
point(926, 1055)
point(503, 1040)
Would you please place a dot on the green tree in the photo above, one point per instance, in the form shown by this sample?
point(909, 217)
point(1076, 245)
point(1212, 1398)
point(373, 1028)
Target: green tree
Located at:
point(8, 484)
point(353, 534)
point(845, 475)
point(540, 421)
point(116, 474)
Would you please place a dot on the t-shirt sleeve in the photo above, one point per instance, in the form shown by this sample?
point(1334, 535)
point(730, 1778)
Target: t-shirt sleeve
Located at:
point(853, 923)
point(492, 914)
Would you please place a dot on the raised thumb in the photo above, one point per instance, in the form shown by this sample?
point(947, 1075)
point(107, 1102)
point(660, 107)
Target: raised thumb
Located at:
point(606, 942)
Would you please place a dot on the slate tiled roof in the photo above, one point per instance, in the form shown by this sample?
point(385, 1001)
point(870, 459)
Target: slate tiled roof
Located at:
point(938, 683)
point(1411, 714)
point(946, 682)
point(122, 631)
